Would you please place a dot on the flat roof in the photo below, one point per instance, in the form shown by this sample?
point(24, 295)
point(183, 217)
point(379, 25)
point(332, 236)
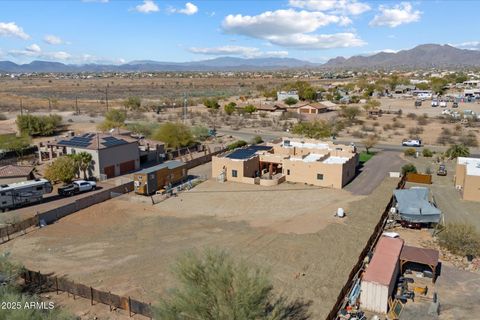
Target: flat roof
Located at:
point(172, 164)
point(307, 145)
point(246, 153)
point(384, 262)
point(336, 160)
point(420, 255)
point(472, 164)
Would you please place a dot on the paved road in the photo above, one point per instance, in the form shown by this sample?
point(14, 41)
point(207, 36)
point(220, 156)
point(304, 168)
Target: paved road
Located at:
point(374, 171)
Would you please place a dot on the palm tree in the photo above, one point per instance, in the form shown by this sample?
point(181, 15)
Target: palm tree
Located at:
point(84, 162)
point(457, 150)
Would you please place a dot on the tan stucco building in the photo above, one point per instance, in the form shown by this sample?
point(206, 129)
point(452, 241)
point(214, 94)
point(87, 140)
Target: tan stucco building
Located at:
point(467, 178)
point(296, 160)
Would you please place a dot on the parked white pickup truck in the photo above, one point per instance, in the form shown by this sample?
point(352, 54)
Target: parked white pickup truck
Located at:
point(412, 143)
point(77, 187)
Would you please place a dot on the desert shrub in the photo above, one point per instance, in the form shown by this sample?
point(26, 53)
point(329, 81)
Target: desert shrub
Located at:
point(387, 127)
point(38, 125)
point(398, 125)
point(410, 152)
point(376, 124)
point(3, 117)
point(214, 286)
point(368, 129)
point(316, 129)
point(358, 134)
point(469, 140)
point(175, 135)
point(409, 168)
point(422, 121)
point(257, 140)
point(445, 137)
point(412, 116)
point(457, 150)
point(427, 153)
point(459, 238)
point(236, 144)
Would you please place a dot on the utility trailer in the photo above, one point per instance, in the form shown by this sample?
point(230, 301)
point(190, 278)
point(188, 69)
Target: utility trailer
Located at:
point(19, 194)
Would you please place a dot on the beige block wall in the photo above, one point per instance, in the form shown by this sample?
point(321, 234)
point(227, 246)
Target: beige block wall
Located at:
point(471, 188)
point(349, 170)
point(306, 172)
point(460, 175)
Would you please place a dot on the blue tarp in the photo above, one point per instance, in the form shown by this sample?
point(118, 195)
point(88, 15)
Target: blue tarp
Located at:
point(413, 205)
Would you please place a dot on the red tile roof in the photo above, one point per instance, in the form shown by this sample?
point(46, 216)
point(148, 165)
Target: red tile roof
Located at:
point(384, 262)
point(15, 171)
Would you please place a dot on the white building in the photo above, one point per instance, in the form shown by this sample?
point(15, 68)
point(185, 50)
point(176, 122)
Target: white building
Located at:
point(282, 95)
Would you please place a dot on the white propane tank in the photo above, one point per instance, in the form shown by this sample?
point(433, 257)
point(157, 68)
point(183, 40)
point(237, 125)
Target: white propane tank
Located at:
point(340, 213)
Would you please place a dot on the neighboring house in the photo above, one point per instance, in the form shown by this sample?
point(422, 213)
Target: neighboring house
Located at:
point(13, 173)
point(403, 89)
point(467, 178)
point(282, 95)
point(304, 161)
point(112, 155)
point(472, 83)
point(312, 108)
point(272, 108)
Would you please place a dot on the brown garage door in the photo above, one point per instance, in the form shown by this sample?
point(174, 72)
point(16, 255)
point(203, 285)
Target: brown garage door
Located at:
point(126, 167)
point(109, 171)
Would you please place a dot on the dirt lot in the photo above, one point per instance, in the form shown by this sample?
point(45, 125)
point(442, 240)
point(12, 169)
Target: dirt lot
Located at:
point(128, 248)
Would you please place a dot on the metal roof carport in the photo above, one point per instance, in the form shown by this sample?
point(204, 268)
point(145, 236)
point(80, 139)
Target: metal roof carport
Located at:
point(426, 257)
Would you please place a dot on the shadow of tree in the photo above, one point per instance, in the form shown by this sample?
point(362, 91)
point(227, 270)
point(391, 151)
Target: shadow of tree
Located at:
point(294, 310)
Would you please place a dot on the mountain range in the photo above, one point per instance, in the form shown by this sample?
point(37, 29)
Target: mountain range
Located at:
point(422, 56)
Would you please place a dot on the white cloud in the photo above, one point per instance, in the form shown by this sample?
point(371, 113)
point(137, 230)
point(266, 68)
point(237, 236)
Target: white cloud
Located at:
point(34, 51)
point(10, 29)
point(279, 22)
point(148, 6)
point(51, 39)
point(319, 41)
point(470, 45)
point(291, 28)
point(35, 48)
point(189, 9)
point(347, 7)
point(247, 52)
point(397, 15)
point(99, 1)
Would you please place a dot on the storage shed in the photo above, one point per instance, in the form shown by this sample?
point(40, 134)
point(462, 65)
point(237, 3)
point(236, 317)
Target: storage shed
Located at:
point(380, 277)
point(148, 181)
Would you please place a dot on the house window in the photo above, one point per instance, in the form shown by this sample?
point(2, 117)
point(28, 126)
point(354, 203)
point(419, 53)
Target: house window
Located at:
point(319, 176)
point(288, 172)
point(234, 173)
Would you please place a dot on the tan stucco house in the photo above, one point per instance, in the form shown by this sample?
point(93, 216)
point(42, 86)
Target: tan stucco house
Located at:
point(467, 178)
point(296, 160)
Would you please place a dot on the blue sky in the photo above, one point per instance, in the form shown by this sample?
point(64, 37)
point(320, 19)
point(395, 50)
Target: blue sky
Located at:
point(114, 31)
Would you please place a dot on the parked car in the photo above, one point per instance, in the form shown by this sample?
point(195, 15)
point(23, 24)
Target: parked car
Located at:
point(443, 104)
point(455, 105)
point(77, 187)
point(434, 103)
point(442, 170)
point(412, 143)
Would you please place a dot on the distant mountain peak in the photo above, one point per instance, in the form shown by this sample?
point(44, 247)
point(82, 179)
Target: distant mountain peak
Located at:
point(422, 56)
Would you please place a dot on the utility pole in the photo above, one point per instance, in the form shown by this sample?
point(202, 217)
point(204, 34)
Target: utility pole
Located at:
point(76, 105)
point(21, 107)
point(49, 105)
point(106, 96)
point(185, 108)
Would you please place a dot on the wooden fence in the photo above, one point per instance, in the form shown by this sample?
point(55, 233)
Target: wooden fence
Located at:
point(372, 241)
point(53, 283)
point(55, 214)
point(419, 178)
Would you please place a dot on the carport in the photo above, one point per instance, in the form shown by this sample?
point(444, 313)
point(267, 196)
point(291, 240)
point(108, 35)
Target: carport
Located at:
point(421, 256)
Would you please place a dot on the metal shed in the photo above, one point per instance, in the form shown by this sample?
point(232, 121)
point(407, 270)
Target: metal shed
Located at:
point(379, 279)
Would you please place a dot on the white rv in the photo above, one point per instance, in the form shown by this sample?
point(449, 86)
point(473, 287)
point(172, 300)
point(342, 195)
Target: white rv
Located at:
point(18, 194)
